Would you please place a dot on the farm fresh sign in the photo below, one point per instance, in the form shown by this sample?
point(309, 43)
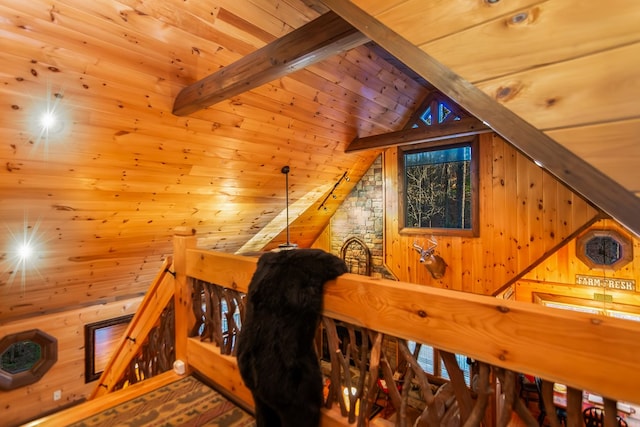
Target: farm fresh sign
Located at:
point(608, 283)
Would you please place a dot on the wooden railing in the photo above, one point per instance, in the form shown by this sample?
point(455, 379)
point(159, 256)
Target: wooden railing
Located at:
point(581, 351)
point(147, 347)
point(503, 338)
point(142, 359)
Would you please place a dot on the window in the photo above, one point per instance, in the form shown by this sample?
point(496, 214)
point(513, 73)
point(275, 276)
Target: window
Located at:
point(100, 341)
point(604, 249)
point(225, 313)
point(592, 306)
point(430, 362)
point(444, 113)
point(439, 186)
point(25, 357)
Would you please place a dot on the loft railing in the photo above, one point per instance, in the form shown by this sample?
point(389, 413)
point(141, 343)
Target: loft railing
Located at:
point(503, 338)
point(143, 357)
point(147, 347)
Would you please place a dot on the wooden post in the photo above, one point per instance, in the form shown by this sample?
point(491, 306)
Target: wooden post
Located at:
point(184, 238)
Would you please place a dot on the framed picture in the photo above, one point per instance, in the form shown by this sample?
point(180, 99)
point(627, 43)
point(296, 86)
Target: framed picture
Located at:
point(100, 340)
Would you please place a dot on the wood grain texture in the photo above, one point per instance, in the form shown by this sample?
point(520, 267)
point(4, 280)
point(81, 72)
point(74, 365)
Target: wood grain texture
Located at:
point(102, 197)
point(326, 36)
point(513, 124)
point(463, 127)
point(512, 27)
point(125, 171)
point(155, 301)
point(524, 213)
point(557, 273)
point(500, 332)
point(67, 374)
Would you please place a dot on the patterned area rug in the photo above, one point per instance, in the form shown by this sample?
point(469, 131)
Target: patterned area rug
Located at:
point(184, 403)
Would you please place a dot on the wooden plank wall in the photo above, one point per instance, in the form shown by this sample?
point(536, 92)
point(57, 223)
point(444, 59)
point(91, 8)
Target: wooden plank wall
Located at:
point(557, 274)
point(569, 67)
point(104, 195)
point(67, 374)
point(524, 214)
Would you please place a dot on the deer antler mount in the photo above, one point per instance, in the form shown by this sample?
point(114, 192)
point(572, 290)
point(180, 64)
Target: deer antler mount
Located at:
point(434, 263)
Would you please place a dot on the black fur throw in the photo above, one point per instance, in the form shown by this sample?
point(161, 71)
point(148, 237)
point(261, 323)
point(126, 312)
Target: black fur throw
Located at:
point(276, 356)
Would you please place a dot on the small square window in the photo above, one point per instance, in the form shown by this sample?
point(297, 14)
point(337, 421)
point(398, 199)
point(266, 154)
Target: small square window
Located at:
point(439, 188)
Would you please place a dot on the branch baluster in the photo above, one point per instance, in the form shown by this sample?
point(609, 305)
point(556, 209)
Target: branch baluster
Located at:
point(358, 367)
point(157, 353)
point(212, 304)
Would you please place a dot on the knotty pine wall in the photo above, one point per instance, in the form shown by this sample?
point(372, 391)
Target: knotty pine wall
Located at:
point(67, 374)
point(557, 274)
point(525, 213)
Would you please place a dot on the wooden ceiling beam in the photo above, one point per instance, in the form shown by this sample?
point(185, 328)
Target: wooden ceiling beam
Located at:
point(463, 127)
point(576, 173)
point(325, 36)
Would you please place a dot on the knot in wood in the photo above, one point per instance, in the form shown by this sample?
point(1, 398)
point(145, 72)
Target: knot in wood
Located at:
point(503, 92)
point(502, 309)
point(519, 18)
point(422, 313)
point(508, 92)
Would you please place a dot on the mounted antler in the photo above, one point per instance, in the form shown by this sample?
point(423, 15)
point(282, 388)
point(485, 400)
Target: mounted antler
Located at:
point(434, 263)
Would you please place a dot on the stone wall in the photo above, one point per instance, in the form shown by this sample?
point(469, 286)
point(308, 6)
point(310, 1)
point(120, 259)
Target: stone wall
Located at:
point(361, 216)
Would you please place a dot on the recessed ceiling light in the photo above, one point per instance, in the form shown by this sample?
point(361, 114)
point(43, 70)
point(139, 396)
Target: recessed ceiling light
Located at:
point(48, 120)
point(25, 251)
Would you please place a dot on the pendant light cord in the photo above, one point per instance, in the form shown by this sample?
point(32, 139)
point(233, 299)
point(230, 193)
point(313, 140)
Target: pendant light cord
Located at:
point(285, 171)
point(288, 245)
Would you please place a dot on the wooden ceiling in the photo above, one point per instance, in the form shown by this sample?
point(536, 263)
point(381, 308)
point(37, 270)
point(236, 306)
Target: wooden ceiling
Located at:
point(100, 197)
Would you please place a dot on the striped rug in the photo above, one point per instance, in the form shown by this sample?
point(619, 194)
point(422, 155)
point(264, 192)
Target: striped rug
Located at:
point(184, 403)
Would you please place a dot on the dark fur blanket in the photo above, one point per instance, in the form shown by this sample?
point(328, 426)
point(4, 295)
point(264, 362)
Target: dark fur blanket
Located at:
point(276, 356)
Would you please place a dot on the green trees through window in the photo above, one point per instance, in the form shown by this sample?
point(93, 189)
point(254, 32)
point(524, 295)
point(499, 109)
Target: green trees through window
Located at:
point(438, 188)
point(25, 357)
point(20, 356)
point(438, 177)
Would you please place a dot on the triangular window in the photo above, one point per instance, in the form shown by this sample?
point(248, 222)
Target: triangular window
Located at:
point(435, 110)
point(426, 116)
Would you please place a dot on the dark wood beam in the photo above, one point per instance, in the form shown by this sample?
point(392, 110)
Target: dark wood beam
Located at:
point(577, 174)
point(321, 38)
point(463, 127)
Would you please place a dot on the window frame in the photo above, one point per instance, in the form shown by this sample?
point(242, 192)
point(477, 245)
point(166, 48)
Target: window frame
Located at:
point(48, 357)
point(475, 181)
point(91, 332)
point(624, 243)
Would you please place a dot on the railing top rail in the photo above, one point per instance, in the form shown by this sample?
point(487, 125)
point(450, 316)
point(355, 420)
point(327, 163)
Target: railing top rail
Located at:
point(586, 351)
point(158, 295)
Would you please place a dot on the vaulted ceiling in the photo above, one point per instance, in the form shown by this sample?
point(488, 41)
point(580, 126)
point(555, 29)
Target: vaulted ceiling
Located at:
point(99, 197)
